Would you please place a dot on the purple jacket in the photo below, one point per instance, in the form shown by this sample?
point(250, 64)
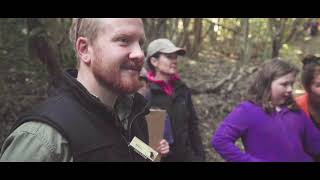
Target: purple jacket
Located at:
point(282, 136)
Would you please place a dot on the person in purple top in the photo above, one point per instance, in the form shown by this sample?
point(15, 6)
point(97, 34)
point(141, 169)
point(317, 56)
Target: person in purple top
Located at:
point(270, 124)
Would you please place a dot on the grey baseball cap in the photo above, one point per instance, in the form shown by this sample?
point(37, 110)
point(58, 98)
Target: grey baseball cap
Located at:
point(163, 46)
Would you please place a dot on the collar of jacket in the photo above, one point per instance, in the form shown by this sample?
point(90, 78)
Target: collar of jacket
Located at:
point(177, 86)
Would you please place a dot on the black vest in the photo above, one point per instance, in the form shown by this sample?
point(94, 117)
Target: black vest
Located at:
point(93, 131)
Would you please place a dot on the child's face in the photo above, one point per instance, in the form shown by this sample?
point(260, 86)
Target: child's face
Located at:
point(281, 89)
point(315, 86)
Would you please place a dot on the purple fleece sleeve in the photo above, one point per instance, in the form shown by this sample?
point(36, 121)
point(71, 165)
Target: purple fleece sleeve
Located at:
point(233, 127)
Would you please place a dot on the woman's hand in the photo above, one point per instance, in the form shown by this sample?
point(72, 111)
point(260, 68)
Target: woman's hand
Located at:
point(163, 149)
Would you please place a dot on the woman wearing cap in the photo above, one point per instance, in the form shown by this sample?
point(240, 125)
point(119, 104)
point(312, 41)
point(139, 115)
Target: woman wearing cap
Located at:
point(168, 92)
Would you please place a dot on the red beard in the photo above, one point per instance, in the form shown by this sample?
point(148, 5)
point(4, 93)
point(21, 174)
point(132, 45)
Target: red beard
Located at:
point(116, 79)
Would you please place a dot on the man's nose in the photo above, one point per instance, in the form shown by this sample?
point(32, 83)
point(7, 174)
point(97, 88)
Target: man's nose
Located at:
point(137, 53)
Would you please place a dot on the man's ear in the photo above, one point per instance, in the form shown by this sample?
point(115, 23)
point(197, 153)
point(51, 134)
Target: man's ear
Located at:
point(82, 46)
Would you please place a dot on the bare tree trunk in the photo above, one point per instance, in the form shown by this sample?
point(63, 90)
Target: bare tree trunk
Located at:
point(183, 40)
point(294, 29)
point(197, 41)
point(160, 28)
point(278, 35)
point(213, 35)
point(155, 28)
point(149, 24)
point(173, 31)
point(40, 46)
point(245, 31)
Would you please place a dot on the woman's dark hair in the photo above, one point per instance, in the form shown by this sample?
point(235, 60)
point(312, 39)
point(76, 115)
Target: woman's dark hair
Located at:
point(260, 91)
point(311, 68)
point(149, 64)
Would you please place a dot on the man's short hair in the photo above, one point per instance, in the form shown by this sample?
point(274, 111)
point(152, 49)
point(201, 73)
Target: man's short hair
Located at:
point(84, 27)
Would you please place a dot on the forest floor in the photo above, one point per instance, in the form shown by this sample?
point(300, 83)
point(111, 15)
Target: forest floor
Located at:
point(222, 83)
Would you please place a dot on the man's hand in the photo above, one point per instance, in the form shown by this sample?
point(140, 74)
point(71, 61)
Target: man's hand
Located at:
point(163, 149)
